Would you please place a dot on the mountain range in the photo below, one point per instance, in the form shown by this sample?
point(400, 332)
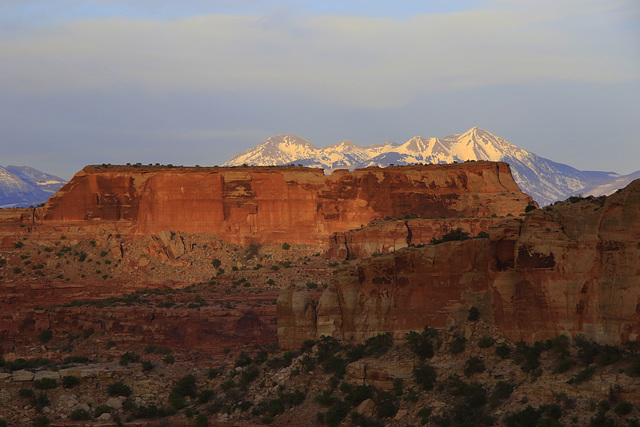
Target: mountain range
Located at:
point(545, 180)
point(26, 186)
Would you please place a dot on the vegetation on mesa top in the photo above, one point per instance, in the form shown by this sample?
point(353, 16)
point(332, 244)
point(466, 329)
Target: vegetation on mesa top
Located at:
point(156, 166)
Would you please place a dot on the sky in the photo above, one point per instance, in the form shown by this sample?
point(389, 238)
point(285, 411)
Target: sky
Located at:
point(196, 82)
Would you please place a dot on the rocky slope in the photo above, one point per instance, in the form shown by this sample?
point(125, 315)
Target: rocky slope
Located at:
point(545, 180)
point(571, 268)
point(274, 205)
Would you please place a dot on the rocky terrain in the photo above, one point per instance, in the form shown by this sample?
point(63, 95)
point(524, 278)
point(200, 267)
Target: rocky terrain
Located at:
point(571, 268)
point(106, 322)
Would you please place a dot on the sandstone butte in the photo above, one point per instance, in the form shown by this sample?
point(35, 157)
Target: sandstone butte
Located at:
point(265, 205)
point(571, 268)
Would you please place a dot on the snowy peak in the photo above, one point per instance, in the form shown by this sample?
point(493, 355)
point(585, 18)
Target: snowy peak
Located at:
point(277, 150)
point(26, 186)
point(47, 182)
point(545, 180)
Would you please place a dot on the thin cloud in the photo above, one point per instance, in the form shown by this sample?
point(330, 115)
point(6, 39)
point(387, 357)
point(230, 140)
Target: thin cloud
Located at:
point(345, 60)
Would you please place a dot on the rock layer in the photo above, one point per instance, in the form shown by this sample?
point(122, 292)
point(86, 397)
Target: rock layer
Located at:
point(572, 268)
point(383, 237)
point(275, 204)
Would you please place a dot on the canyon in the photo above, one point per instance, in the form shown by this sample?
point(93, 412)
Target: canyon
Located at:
point(571, 268)
point(208, 271)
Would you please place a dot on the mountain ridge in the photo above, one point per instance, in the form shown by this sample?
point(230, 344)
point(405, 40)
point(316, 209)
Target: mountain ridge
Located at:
point(26, 186)
point(547, 181)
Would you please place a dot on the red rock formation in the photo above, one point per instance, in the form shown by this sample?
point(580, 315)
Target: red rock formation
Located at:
point(383, 237)
point(568, 269)
point(275, 204)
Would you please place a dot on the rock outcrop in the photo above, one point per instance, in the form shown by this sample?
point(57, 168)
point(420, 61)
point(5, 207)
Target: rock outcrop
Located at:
point(383, 236)
point(572, 268)
point(274, 204)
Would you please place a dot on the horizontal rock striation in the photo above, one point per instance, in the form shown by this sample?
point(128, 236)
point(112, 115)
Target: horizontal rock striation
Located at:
point(572, 268)
point(268, 205)
point(382, 237)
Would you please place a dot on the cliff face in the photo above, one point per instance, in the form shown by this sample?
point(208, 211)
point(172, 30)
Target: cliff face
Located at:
point(276, 204)
point(383, 237)
point(569, 269)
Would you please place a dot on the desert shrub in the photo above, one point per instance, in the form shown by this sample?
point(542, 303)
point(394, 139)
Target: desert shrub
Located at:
point(527, 417)
point(102, 409)
point(80, 414)
point(186, 386)
point(3, 423)
point(503, 351)
point(582, 376)
point(602, 420)
point(528, 357)
point(590, 352)
point(243, 360)
point(327, 346)
point(336, 413)
point(286, 246)
point(559, 345)
point(213, 373)
point(421, 344)
point(563, 365)
point(119, 389)
point(378, 345)
point(336, 365)
point(364, 421)
point(425, 375)
point(201, 420)
point(248, 376)
point(386, 405)
point(169, 359)
point(75, 359)
point(458, 345)
point(474, 314)
point(623, 408)
point(398, 386)
point(40, 401)
point(357, 395)
point(41, 420)
point(69, 381)
point(486, 342)
point(45, 384)
point(45, 336)
point(473, 365)
point(469, 409)
point(26, 392)
point(451, 236)
point(502, 390)
point(356, 352)
point(129, 357)
point(294, 398)
point(216, 263)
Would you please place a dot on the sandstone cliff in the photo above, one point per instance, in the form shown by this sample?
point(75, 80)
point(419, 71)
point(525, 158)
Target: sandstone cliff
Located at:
point(572, 268)
point(275, 204)
point(381, 236)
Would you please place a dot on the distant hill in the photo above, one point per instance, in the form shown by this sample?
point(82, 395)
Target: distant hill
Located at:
point(545, 180)
point(26, 186)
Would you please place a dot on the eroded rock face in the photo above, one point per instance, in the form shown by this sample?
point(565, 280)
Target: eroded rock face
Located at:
point(275, 204)
point(383, 237)
point(573, 268)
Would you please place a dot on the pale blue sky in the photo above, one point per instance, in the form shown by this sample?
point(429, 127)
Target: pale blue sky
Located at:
point(195, 82)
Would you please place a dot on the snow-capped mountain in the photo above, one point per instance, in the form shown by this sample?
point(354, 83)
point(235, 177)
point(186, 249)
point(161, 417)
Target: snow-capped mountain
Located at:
point(26, 186)
point(545, 180)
